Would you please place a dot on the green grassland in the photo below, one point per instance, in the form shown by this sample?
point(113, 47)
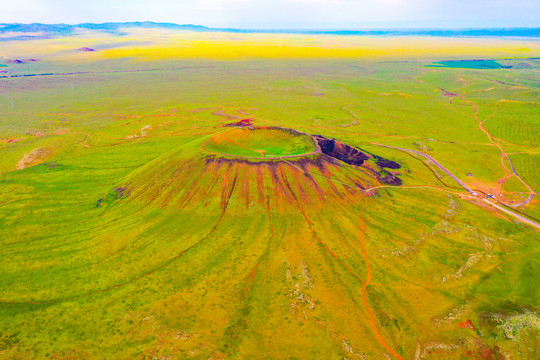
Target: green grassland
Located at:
point(260, 142)
point(125, 235)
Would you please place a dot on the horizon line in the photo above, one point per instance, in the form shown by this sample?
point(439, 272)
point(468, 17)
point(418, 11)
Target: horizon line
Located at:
point(276, 28)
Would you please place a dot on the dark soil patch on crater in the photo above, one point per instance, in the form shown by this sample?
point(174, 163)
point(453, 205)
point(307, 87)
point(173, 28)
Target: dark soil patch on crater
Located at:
point(341, 151)
point(117, 193)
point(357, 157)
point(385, 163)
point(389, 179)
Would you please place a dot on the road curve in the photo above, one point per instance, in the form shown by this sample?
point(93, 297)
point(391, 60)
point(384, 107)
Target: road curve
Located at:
point(463, 185)
point(498, 207)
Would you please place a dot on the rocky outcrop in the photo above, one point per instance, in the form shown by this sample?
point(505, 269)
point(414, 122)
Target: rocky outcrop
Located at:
point(241, 123)
point(341, 151)
point(354, 156)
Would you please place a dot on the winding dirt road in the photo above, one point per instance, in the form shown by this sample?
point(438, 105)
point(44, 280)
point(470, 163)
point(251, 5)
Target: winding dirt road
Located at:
point(504, 156)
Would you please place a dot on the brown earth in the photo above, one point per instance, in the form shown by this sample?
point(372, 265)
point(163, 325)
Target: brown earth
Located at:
point(241, 123)
point(390, 179)
point(11, 140)
point(467, 324)
point(33, 158)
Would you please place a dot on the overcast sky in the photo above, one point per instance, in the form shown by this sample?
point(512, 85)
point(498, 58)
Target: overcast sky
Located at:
point(289, 14)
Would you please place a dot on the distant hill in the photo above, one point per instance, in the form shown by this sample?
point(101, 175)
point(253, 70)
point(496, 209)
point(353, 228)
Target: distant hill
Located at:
point(66, 29)
point(508, 32)
point(110, 26)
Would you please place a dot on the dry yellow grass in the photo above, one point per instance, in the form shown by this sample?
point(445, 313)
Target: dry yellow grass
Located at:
point(151, 44)
point(227, 46)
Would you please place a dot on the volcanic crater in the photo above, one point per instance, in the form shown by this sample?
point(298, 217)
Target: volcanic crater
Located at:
point(259, 165)
point(262, 142)
point(273, 143)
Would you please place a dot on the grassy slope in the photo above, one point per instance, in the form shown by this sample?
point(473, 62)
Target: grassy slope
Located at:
point(273, 270)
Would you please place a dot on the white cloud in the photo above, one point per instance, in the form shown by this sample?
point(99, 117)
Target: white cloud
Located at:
point(281, 13)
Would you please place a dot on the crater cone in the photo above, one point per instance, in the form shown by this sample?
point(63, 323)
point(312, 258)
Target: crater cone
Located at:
point(235, 225)
point(185, 176)
point(273, 241)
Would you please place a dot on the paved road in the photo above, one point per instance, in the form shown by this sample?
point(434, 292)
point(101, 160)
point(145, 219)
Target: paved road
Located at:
point(511, 213)
point(433, 161)
point(504, 210)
